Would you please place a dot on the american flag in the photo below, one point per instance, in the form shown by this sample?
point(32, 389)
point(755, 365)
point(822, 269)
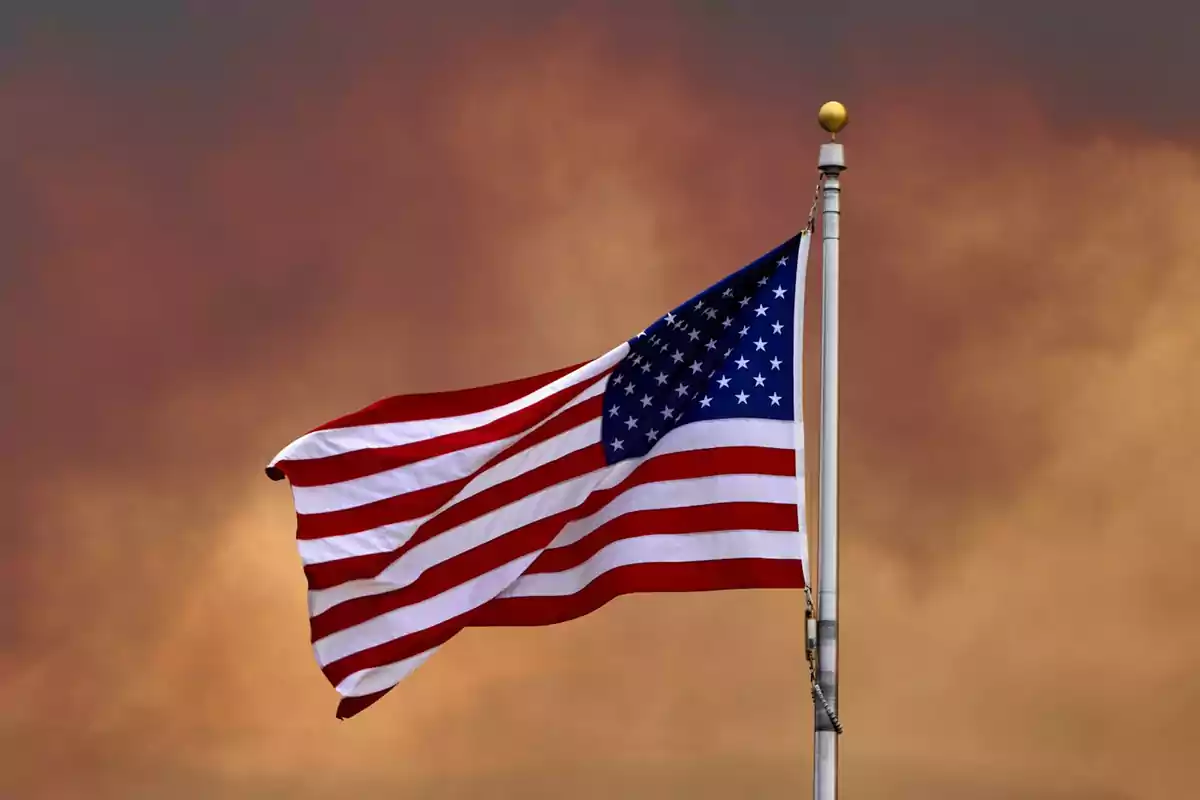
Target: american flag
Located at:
point(672, 463)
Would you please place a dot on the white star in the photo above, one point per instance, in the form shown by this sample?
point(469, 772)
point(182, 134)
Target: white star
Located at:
point(742, 397)
point(725, 323)
point(759, 344)
point(727, 293)
point(646, 401)
point(677, 356)
point(763, 280)
point(775, 362)
point(637, 359)
point(660, 378)
point(629, 388)
point(667, 412)
point(777, 327)
point(723, 382)
point(681, 390)
point(696, 367)
point(617, 380)
point(645, 366)
point(774, 398)
point(705, 401)
point(742, 362)
point(699, 305)
point(745, 329)
point(670, 318)
point(779, 292)
point(652, 434)
point(712, 345)
point(759, 380)
point(729, 352)
point(631, 423)
point(617, 444)
point(744, 302)
point(761, 311)
point(694, 335)
point(782, 261)
point(710, 313)
point(612, 412)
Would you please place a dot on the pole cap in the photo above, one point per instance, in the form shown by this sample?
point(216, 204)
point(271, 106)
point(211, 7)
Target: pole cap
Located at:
point(833, 117)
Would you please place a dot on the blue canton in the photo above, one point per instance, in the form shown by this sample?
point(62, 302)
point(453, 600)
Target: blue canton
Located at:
point(725, 354)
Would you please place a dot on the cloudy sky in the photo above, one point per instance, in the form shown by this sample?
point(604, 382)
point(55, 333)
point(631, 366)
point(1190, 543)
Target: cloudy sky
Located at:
point(222, 224)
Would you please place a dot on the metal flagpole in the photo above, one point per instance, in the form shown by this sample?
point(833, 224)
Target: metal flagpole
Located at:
point(827, 728)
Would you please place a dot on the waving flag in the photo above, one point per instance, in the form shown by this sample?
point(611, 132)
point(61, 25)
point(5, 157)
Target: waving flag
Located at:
point(672, 463)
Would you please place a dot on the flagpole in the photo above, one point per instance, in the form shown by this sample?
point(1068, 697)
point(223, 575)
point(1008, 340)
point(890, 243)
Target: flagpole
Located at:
point(827, 728)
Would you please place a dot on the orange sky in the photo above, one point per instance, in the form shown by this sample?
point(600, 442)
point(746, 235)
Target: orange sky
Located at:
point(219, 232)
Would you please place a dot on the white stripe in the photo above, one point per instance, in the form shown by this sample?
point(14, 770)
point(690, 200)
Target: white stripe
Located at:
point(319, 444)
point(413, 563)
point(402, 480)
point(660, 549)
point(376, 679)
point(467, 596)
point(692, 436)
point(417, 617)
point(664, 494)
point(383, 539)
point(710, 435)
point(419, 475)
point(393, 536)
point(541, 454)
point(646, 549)
point(534, 507)
point(725, 488)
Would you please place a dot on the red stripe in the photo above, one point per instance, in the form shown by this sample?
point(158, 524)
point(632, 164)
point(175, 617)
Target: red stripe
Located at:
point(369, 461)
point(421, 502)
point(401, 508)
point(534, 537)
point(581, 413)
point(395, 650)
point(691, 464)
point(666, 467)
point(442, 577)
point(688, 519)
point(412, 407)
point(693, 576)
point(690, 576)
point(327, 574)
point(349, 706)
point(572, 465)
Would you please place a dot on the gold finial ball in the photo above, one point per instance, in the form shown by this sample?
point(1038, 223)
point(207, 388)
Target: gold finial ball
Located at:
point(833, 116)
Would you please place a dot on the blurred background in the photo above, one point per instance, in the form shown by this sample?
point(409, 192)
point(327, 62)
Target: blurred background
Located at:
point(222, 224)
